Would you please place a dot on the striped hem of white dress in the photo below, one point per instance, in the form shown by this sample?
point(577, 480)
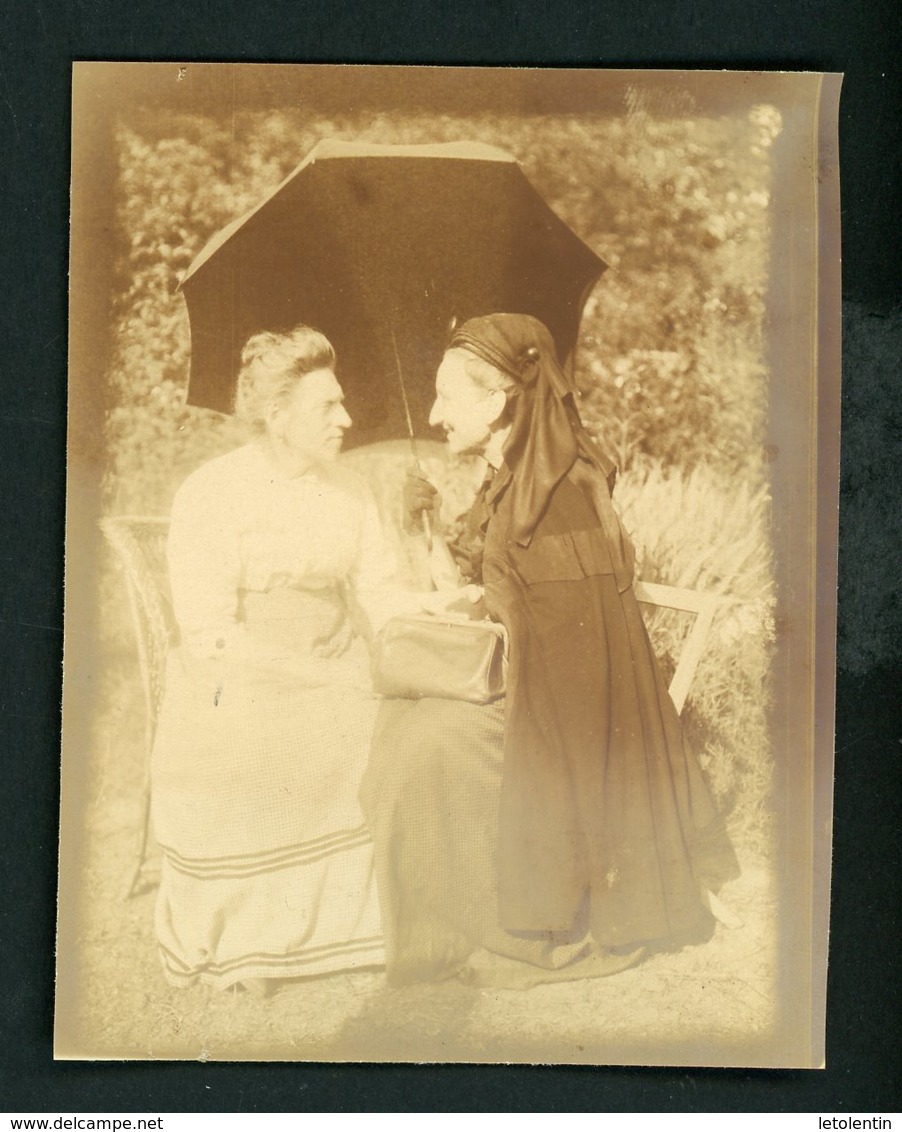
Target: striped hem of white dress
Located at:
point(253, 864)
point(350, 954)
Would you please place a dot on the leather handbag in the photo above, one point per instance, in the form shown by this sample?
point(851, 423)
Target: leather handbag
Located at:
point(442, 657)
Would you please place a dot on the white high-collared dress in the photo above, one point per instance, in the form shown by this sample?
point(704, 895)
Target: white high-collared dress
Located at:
point(266, 724)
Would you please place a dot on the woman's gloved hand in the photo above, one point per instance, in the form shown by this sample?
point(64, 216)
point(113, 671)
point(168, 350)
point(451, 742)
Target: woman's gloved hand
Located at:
point(420, 498)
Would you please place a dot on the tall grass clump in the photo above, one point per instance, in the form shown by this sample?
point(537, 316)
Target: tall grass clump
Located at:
point(709, 530)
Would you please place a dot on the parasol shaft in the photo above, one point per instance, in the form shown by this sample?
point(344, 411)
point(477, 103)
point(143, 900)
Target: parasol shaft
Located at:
point(405, 400)
point(442, 566)
point(427, 525)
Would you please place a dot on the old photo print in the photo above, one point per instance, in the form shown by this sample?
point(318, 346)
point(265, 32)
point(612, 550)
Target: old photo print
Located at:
point(263, 857)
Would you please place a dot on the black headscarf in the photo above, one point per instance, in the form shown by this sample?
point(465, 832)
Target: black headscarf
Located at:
point(547, 440)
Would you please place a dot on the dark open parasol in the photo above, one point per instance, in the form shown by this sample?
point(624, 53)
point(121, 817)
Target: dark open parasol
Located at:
point(380, 247)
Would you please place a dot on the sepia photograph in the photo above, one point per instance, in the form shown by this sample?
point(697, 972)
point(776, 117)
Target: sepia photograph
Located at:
point(453, 458)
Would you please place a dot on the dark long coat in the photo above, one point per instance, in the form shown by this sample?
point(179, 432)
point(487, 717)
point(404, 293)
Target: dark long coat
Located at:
point(604, 812)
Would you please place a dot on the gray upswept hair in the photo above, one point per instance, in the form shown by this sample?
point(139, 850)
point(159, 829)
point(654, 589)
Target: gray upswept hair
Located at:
point(271, 365)
point(482, 373)
point(489, 379)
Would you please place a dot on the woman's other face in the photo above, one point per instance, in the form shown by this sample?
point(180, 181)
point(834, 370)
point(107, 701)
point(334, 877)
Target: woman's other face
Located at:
point(310, 424)
point(462, 408)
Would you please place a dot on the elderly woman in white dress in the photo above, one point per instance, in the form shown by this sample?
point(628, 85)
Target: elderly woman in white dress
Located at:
point(278, 573)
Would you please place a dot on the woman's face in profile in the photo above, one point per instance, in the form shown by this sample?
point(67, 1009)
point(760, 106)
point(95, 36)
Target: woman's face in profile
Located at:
point(462, 408)
point(311, 423)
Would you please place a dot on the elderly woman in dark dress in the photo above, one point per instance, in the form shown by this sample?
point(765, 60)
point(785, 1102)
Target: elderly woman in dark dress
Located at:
point(567, 828)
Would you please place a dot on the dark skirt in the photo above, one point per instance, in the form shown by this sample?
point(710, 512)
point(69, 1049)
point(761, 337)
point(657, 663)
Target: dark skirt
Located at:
point(575, 809)
point(430, 796)
point(604, 808)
